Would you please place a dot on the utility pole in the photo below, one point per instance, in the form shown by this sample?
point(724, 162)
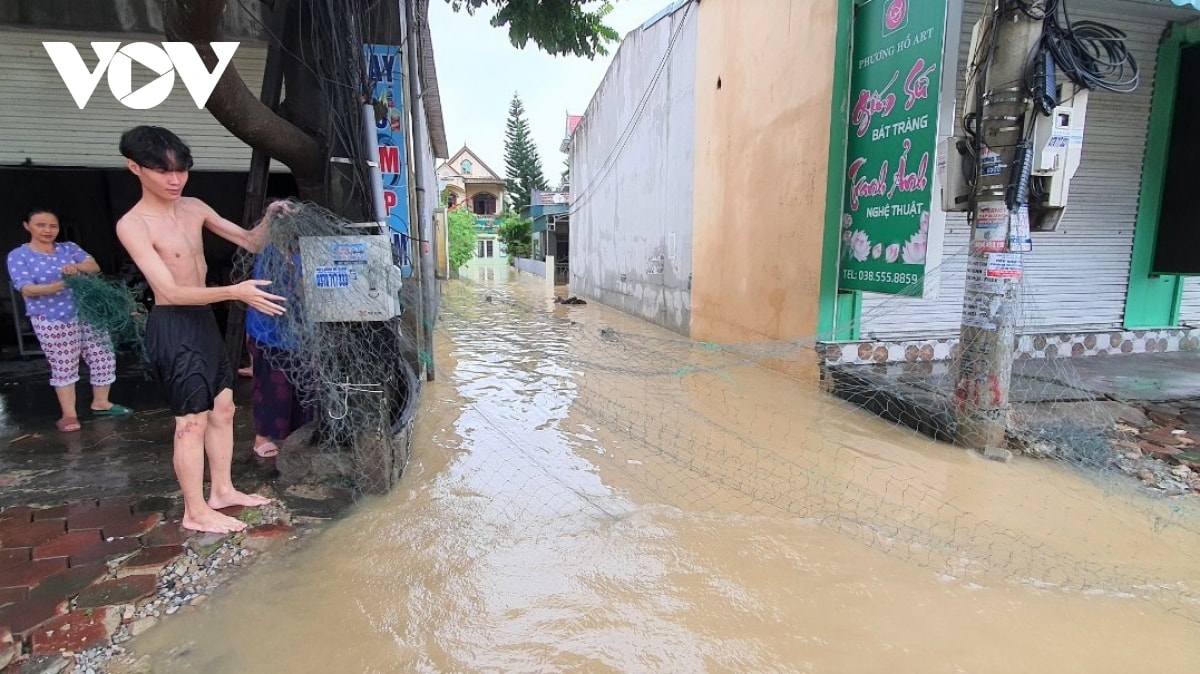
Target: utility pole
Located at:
point(999, 226)
point(413, 32)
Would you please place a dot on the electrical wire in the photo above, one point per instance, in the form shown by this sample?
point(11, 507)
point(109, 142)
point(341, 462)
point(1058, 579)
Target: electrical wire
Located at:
point(609, 162)
point(1093, 55)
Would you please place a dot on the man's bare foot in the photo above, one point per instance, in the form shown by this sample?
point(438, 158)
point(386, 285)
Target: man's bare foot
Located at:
point(211, 521)
point(236, 498)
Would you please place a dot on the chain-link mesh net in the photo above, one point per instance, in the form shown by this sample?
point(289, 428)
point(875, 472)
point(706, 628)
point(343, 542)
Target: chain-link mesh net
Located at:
point(574, 407)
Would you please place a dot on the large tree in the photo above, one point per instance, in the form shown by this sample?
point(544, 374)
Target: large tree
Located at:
point(297, 134)
point(522, 163)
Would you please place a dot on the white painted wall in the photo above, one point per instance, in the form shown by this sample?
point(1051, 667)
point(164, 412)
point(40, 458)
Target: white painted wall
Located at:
point(632, 167)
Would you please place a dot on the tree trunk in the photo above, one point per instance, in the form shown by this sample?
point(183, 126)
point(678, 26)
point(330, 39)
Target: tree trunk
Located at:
point(293, 137)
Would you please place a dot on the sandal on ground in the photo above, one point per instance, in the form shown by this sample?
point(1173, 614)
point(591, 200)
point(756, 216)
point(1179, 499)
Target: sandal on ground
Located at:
point(114, 411)
point(68, 424)
point(267, 450)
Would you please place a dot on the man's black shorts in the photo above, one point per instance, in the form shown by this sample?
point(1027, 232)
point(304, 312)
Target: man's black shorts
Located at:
point(188, 356)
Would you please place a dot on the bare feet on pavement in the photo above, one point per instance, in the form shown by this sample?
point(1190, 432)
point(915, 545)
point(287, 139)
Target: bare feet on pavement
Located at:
point(211, 521)
point(236, 498)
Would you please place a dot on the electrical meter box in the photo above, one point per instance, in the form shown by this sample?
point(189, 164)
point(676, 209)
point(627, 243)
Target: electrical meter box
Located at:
point(349, 278)
point(1058, 145)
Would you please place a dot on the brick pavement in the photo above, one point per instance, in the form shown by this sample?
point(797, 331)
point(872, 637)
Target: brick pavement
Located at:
point(67, 573)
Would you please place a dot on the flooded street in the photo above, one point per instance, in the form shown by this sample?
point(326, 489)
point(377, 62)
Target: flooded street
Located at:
point(589, 493)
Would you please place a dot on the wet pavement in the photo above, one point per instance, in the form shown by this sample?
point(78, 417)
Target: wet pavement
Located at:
point(130, 457)
point(589, 493)
point(89, 521)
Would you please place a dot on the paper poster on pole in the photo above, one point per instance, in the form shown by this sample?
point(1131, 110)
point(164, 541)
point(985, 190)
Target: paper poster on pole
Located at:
point(978, 280)
point(991, 228)
point(1005, 266)
point(891, 228)
point(1019, 238)
point(979, 310)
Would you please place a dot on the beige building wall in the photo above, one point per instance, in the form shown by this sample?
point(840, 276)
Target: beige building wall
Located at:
point(764, 81)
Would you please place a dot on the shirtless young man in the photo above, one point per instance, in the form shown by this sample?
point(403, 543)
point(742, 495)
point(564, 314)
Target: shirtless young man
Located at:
point(163, 235)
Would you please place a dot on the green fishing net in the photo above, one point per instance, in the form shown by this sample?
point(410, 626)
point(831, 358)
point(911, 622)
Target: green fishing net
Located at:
point(112, 307)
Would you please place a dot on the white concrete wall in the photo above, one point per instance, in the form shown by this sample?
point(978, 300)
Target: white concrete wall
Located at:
point(632, 167)
point(535, 267)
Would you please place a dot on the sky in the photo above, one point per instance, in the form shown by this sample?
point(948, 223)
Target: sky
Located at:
point(478, 70)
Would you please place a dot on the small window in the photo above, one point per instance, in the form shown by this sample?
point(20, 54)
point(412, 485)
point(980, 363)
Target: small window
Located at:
point(451, 200)
point(490, 252)
point(479, 249)
point(466, 167)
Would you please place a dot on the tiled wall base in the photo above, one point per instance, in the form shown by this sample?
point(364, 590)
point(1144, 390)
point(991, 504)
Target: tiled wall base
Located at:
point(1053, 345)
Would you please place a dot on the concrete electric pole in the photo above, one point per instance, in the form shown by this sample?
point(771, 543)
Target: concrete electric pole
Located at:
point(999, 224)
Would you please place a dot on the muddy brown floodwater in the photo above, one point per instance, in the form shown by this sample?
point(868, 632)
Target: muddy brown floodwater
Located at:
point(590, 494)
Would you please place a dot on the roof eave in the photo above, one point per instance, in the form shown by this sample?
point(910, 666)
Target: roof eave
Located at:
point(429, 90)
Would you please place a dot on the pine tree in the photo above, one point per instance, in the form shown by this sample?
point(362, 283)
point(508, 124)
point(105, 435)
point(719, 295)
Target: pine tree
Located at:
point(523, 165)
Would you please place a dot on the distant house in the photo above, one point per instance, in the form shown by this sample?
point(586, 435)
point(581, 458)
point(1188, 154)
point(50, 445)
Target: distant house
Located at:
point(550, 219)
point(470, 181)
point(572, 122)
point(471, 184)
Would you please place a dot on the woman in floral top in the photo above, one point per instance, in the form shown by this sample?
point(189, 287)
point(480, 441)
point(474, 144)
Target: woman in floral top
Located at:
point(37, 269)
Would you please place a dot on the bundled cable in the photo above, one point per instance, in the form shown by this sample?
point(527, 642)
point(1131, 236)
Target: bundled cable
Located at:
point(1092, 54)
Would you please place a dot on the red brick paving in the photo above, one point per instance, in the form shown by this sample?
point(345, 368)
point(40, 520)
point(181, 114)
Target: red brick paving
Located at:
point(30, 574)
point(59, 513)
point(98, 518)
point(10, 557)
point(104, 551)
point(67, 584)
point(18, 534)
point(171, 533)
point(269, 531)
point(22, 513)
point(25, 617)
point(74, 632)
point(49, 556)
point(126, 590)
point(132, 526)
point(9, 595)
point(150, 560)
point(68, 544)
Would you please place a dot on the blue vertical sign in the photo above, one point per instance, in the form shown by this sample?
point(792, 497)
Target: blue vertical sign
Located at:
point(387, 97)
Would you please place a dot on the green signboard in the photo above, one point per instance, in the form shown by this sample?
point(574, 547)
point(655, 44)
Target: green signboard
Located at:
point(891, 145)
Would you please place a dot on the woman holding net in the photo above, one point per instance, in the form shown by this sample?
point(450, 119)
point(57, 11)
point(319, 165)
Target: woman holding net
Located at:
point(37, 269)
point(277, 406)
